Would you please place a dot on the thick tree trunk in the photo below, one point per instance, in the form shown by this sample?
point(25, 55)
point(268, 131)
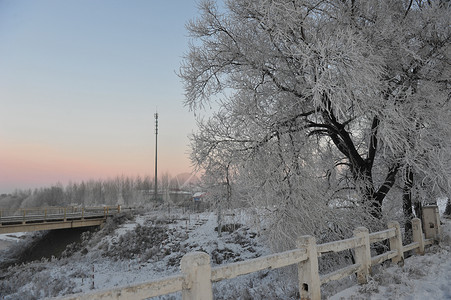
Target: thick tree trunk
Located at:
point(376, 210)
point(407, 200)
point(448, 208)
point(418, 210)
point(375, 197)
point(361, 168)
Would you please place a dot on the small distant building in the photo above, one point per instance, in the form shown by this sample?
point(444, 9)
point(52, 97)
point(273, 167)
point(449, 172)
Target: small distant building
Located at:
point(198, 196)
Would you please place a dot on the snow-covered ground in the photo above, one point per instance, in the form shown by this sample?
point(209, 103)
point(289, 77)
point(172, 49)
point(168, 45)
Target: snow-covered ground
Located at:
point(146, 247)
point(151, 245)
point(421, 277)
point(6, 240)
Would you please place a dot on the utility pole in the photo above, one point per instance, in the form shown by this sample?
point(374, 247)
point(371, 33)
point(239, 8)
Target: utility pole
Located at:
point(156, 156)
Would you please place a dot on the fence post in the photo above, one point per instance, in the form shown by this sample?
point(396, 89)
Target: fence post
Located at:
point(396, 243)
point(197, 270)
point(417, 232)
point(308, 276)
point(439, 228)
point(431, 222)
point(363, 254)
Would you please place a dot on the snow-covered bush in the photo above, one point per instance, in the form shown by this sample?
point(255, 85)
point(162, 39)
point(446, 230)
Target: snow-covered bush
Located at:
point(143, 241)
point(34, 281)
point(273, 284)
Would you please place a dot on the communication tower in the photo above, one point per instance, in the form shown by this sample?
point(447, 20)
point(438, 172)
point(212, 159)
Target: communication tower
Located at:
point(156, 156)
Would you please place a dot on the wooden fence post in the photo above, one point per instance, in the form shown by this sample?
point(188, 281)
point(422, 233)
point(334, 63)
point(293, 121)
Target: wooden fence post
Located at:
point(417, 232)
point(363, 254)
point(197, 270)
point(431, 222)
point(309, 282)
point(439, 228)
point(396, 243)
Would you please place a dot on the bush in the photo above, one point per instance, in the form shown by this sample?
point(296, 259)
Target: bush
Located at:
point(144, 241)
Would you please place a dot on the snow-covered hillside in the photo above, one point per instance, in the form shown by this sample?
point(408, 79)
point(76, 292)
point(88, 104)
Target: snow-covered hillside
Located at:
point(132, 250)
point(140, 249)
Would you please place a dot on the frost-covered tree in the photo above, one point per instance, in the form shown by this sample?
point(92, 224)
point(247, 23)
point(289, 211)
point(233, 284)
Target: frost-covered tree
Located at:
point(218, 184)
point(351, 95)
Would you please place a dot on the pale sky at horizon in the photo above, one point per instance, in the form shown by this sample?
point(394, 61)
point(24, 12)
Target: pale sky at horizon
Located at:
point(80, 82)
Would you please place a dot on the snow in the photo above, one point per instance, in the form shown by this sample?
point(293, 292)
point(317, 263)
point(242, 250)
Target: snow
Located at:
point(421, 277)
point(198, 194)
point(6, 240)
point(101, 266)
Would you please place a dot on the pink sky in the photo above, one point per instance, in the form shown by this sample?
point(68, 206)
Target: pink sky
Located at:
point(33, 165)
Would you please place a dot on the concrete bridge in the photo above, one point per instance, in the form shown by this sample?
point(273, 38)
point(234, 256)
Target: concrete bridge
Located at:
point(48, 218)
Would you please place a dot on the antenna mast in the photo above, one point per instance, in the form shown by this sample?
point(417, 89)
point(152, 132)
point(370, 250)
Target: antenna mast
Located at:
point(156, 156)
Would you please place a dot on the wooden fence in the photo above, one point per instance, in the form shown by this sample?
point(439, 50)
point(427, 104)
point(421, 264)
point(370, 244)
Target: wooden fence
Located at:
point(197, 275)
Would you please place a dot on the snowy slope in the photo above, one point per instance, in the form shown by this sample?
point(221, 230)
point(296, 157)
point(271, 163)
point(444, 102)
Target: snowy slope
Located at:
point(151, 245)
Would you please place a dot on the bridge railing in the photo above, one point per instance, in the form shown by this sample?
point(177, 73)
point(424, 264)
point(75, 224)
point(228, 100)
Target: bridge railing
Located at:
point(36, 214)
point(197, 276)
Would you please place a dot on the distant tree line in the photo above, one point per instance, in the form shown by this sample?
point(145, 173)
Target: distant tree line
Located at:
point(121, 190)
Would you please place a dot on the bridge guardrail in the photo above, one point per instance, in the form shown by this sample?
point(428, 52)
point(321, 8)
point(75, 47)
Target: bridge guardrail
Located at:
point(48, 214)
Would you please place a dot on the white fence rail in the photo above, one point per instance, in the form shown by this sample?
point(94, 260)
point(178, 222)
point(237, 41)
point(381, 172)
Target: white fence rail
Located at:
point(197, 276)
